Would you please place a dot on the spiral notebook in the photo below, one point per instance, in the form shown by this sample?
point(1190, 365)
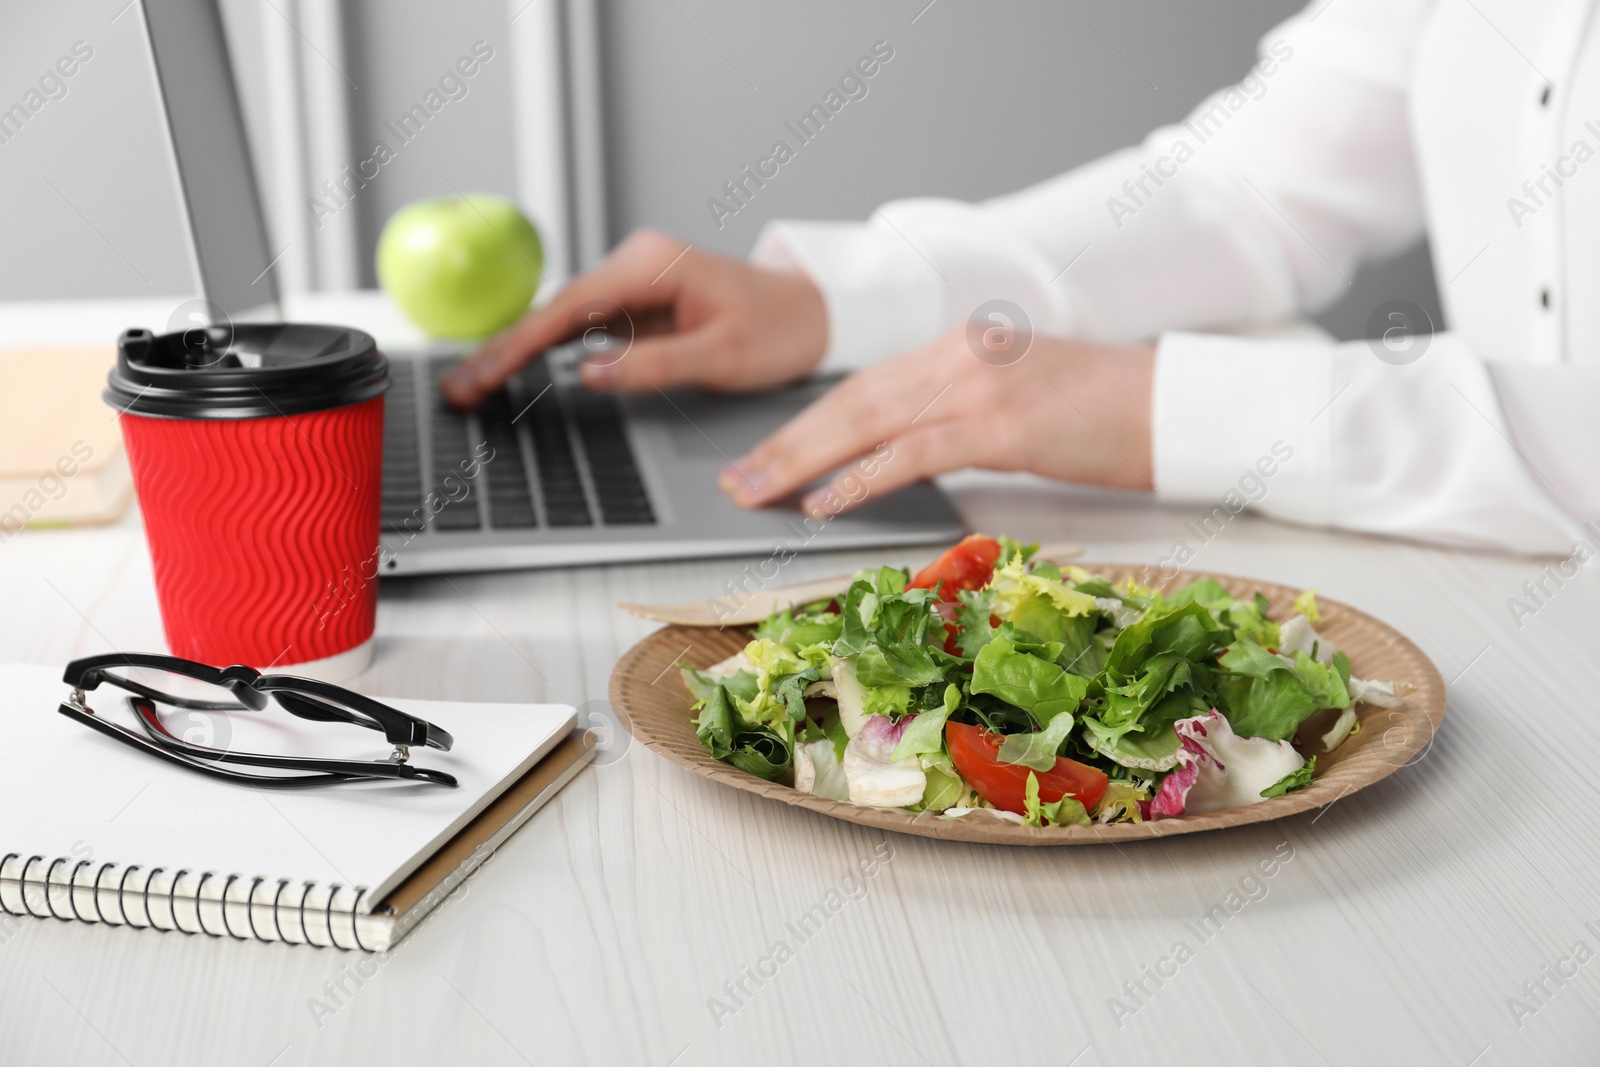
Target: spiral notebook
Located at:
point(91, 830)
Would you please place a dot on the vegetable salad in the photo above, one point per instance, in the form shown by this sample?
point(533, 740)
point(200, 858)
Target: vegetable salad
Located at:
point(992, 684)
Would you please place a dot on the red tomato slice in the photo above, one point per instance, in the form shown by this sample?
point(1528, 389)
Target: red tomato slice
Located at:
point(969, 564)
point(975, 752)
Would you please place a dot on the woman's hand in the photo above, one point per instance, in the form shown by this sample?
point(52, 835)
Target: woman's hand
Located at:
point(1067, 410)
point(696, 318)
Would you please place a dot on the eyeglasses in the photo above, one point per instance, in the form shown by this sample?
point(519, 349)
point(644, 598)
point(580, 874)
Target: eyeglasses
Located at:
point(192, 688)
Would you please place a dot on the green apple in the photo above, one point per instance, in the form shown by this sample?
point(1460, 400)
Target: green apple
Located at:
point(461, 267)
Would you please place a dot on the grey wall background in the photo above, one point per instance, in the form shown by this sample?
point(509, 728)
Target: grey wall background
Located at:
point(978, 99)
point(88, 201)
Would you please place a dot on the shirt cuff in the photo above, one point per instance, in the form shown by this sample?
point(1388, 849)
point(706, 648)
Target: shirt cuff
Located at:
point(1235, 421)
point(881, 298)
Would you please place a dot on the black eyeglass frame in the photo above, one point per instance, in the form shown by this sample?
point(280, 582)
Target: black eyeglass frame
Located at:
point(305, 698)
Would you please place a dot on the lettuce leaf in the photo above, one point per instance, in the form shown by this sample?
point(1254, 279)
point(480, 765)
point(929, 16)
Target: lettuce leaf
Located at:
point(1064, 812)
point(1151, 744)
point(717, 722)
point(944, 790)
point(799, 632)
point(1205, 591)
point(760, 752)
point(925, 733)
point(1261, 695)
point(1015, 550)
point(1037, 686)
point(1306, 604)
point(789, 689)
point(1038, 750)
point(1012, 584)
point(1292, 781)
point(1125, 705)
point(974, 609)
point(1326, 685)
point(885, 626)
point(1188, 630)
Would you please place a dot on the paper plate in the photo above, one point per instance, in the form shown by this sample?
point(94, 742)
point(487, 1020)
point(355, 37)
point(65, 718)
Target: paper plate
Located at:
point(651, 701)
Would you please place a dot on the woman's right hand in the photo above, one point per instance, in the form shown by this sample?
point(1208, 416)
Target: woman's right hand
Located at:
point(696, 318)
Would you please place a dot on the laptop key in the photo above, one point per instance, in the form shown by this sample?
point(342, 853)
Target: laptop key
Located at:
point(560, 483)
point(618, 487)
point(452, 458)
point(509, 495)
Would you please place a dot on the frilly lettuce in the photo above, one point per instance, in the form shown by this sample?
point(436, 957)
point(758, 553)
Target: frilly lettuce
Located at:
point(1121, 801)
point(1064, 812)
point(1012, 585)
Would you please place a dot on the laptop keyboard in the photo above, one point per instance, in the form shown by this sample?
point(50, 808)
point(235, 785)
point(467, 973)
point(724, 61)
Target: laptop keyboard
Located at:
point(560, 458)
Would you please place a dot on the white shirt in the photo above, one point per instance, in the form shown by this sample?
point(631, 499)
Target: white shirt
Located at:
point(1364, 123)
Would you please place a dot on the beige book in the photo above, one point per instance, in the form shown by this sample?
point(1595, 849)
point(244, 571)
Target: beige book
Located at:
point(61, 455)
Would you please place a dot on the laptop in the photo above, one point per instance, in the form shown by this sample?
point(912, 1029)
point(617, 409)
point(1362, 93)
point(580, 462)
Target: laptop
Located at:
point(545, 473)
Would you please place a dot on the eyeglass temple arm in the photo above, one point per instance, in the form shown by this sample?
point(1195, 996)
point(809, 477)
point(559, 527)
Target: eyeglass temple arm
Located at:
point(251, 688)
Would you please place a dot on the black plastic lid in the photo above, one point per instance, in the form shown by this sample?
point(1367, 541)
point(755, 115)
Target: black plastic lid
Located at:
point(248, 371)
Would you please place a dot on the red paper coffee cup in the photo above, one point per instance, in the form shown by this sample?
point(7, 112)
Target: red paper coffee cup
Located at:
point(257, 457)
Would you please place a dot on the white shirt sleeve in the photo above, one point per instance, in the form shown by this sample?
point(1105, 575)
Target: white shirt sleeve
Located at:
point(1333, 436)
point(1257, 208)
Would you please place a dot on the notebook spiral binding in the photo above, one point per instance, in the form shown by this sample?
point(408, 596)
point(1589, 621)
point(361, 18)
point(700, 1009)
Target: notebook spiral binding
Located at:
point(159, 899)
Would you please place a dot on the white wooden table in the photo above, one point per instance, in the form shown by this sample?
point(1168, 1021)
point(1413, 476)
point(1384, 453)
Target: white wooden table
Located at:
point(618, 925)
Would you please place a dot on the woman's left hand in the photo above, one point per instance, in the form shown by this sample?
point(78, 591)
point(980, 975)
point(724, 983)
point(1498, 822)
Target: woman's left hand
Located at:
point(1064, 409)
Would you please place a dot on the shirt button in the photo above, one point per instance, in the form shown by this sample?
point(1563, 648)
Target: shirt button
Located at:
point(1544, 298)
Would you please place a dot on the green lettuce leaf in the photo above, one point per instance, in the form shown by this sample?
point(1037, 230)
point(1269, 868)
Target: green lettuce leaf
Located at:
point(1150, 743)
point(717, 722)
point(761, 753)
point(1124, 706)
point(1306, 604)
point(799, 632)
point(1037, 686)
point(857, 612)
point(1064, 812)
point(925, 734)
point(1292, 781)
point(1327, 687)
point(741, 684)
point(790, 690)
point(1261, 695)
point(1015, 550)
point(944, 790)
point(833, 728)
point(1153, 750)
point(1012, 584)
point(1188, 630)
point(1037, 616)
point(973, 611)
point(1036, 750)
point(1206, 591)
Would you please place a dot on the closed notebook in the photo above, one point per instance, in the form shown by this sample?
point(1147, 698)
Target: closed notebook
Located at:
point(93, 830)
point(61, 455)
